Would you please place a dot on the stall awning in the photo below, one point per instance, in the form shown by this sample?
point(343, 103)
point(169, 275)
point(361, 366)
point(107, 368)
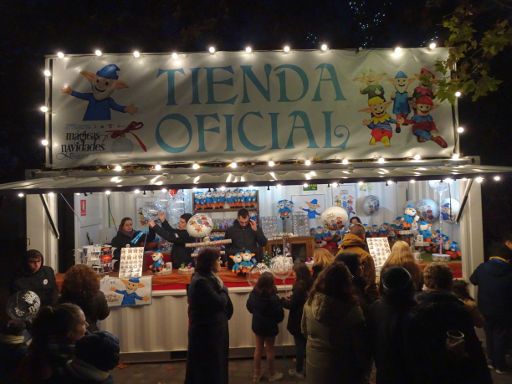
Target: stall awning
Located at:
point(179, 178)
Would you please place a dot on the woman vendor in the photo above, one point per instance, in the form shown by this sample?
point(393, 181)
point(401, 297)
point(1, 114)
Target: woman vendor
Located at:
point(180, 255)
point(127, 235)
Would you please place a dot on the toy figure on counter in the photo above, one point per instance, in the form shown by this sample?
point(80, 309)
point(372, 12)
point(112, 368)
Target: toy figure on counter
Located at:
point(424, 229)
point(158, 262)
point(454, 250)
point(409, 219)
point(248, 261)
point(237, 263)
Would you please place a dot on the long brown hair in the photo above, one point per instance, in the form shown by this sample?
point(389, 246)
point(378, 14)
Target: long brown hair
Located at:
point(334, 281)
point(265, 285)
point(124, 220)
point(80, 281)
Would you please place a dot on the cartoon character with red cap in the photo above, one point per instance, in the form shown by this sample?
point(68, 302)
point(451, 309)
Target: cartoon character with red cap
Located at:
point(423, 125)
point(426, 88)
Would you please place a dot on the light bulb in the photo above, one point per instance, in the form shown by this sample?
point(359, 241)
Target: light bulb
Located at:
point(479, 179)
point(98, 52)
point(381, 160)
point(44, 142)
point(20, 194)
point(60, 55)
point(44, 108)
point(196, 166)
point(286, 48)
point(248, 49)
point(412, 181)
point(163, 190)
point(305, 185)
point(222, 188)
point(307, 163)
point(455, 156)
point(211, 49)
point(417, 157)
point(158, 167)
point(233, 165)
point(118, 168)
point(324, 47)
point(107, 192)
point(497, 178)
point(271, 163)
point(458, 94)
point(360, 182)
point(345, 161)
point(174, 55)
point(47, 73)
point(136, 54)
point(137, 191)
point(460, 129)
point(432, 45)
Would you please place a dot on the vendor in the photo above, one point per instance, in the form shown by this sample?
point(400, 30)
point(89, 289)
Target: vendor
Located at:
point(37, 277)
point(126, 235)
point(180, 254)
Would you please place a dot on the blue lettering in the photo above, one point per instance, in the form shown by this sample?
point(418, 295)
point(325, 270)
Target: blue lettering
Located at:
point(171, 84)
point(282, 81)
point(306, 127)
point(273, 125)
point(160, 140)
point(247, 72)
point(195, 85)
point(333, 78)
point(201, 130)
point(243, 137)
point(210, 84)
point(229, 133)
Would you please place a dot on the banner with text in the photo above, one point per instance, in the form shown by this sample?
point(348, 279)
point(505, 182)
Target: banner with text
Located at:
point(238, 106)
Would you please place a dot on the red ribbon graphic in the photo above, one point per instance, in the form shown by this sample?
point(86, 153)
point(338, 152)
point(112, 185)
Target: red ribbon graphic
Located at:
point(133, 126)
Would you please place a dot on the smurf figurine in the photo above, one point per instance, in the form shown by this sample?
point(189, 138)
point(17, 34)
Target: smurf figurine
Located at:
point(284, 208)
point(454, 250)
point(158, 262)
point(409, 219)
point(424, 229)
point(247, 261)
point(237, 266)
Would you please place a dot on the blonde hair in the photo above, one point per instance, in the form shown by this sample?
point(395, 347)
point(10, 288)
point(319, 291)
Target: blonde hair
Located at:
point(322, 257)
point(402, 256)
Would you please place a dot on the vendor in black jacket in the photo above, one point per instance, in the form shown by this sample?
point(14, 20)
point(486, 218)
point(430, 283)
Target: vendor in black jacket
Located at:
point(127, 235)
point(37, 278)
point(245, 234)
point(177, 236)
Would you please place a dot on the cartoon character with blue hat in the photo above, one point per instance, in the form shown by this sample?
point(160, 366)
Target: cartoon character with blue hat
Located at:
point(311, 209)
point(130, 293)
point(400, 99)
point(103, 84)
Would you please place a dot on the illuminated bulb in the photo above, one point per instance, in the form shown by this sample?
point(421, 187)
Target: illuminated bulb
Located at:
point(98, 52)
point(211, 49)
point(305, 185)
point(158, 167)
point(20, 194)
point(412, 181)
point(334, 184)
point(344, 161)
point(222, 188)
point(60, 55)
point(448, 180)
point(397, 51)
point(286, 48)
point(271, 163)
point(432, 45)
point(360, 183)
point(47, 73)
point(458, 94)
point(251, 186)
point(381, 160)
point(107, 192)
point(248, 49)
point(136, 54)
point(44, 108)
point(390, 182)
point(417, 157)
point(77, 194)
point(455, 156)
point(279, 185)
point(460, 129)
point(324, 47)
point(174, 55)
point(44, 142)
point(233, 165)
point(497, 178)
point(163, 190)
point(196, 166)
point(479, 179)
point(307, 163)
point(118, 168)
point(137, 191)
point(51, 194)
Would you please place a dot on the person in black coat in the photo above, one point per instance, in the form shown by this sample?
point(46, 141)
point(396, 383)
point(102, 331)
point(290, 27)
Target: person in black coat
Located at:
point(180, 254)
point(442, 346)
point(245, 235)
point(494, 281)
point(388, 321)
point(267, 313)
point(127, 235)
point(295, 303)
point(209, 309)
point(37, 278)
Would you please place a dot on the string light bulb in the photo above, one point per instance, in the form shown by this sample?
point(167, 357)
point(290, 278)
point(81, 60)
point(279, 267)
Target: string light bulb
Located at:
point(107, 192)
point(381, 160)
point(163, 190)
point(432, 45)
point(211, 49)
point(307, 163)
point(174, 55)
point(248, 49)
point(47, 73)
point(417, 157)
point(344, 161)
point(460, 129)
point(271, 163)
point(286, 49)
point(455, 156)
point(136, 54)
point(412, 181)
point(44, 108)
point(118, 168)
point(324, 47)
point(497, 178)
point(60, 55)
point(44, 143)
point(196, 166)
point(136, 191)
point(305, 185)
point(98, 52)
point(479, 179)
point(20, 195)
point(158, 167)
point(458, 94)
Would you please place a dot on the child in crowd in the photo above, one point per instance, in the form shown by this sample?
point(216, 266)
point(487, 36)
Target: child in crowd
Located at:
point(295, 303)
point(321, 258)
point(460, 289)
point(37, 277)
point(267, 313)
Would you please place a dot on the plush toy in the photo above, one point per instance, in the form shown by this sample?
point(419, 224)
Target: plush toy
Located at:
point(409, 219)
point(284, 208)
point(158, 262)
point(237, 266)
point(454, 250)
point(424, 230)
point(247, 262)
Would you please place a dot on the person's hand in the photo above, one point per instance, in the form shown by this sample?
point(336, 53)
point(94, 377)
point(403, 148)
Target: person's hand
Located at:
point(151, 223)
point(253, 224)
point(161, 216)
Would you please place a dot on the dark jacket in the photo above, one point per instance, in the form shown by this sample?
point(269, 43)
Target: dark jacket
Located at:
point(77, 372)
point(42, 282)
point(178, 237)
point(295, 303)
point(245, 238)
point(388, 323)
point(267, 313)
point(494, 281)
point(209, 309)
point(122, 238)
point(94, 309)
point(430, 359)
point(12, 351)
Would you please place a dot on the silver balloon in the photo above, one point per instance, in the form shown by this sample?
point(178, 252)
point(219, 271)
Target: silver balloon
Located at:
point(371, 204)
point(23, 305)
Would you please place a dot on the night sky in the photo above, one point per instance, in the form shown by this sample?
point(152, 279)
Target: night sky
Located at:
point(31, 29)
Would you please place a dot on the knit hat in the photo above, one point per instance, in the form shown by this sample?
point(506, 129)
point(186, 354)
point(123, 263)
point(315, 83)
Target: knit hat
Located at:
point(396, 280)
point(99, 349)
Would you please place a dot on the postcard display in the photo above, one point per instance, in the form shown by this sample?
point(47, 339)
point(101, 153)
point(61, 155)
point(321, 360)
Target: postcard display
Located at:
point(131, 262)
point(379, 250)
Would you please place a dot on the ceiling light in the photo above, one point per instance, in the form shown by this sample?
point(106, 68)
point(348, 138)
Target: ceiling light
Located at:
point(118, 168)
point(158, 167)
point(417, 157)
point(271, 163)
point(233, 165)
point(432, 45)
point(107, 192)
point(460, 129)
point(286, 48)
point(248, 49)
point(196, 166)
point(98, 52)
point(136, 54)
point(479, 179)
point(44, 108)
point(497, 178)
point(324, 47)
point(307, 163)
point(20, 194)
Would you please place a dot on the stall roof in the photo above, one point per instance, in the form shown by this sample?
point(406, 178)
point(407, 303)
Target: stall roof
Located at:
point(178, 178)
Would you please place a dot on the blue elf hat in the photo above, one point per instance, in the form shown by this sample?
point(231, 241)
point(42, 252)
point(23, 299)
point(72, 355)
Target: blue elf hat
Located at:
point(134, 280)
point(314, 201)
point(400, 75)
point(109, 72)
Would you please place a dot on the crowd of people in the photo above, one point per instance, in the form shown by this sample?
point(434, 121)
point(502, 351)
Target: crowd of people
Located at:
point(412, 325)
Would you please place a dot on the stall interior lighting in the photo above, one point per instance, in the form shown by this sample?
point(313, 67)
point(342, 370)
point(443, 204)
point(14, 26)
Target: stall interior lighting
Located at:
point(307, 163)
point(98, 52)
point(47, 73)
point(417, 157)
point(497, 178)
point(479, 179)
point(271, 163)
point(107, 192)
point(118, 168)
point(60, 55)
point(158, 167)
point(458, 94)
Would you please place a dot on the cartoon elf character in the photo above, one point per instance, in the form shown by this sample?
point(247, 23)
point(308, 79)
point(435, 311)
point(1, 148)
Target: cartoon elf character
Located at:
point(380, 121)
point(401, 97)
point(130, 293)
point(426, 88)
point(311, 209)
point(423, 125)
point(371, 86)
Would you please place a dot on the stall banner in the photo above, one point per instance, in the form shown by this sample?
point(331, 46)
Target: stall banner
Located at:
point(128, 292)
point(238, 106)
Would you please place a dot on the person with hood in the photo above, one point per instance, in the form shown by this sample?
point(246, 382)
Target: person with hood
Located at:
point(245, 235)
point(354, 242)
point(335, 329)
point(37, 277)
point(388, 322)
point(441, 344)
point(180, 254)
point(127, 235)
point(267, 312)
point(494, 281)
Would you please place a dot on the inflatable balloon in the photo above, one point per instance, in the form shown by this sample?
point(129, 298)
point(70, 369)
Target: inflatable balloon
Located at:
point(281, 267)
point(449, 209)
point(427, 210)
point(334, 218)
point(371, 205)
point(438, 185)
point(199, 225)
point(23, 305)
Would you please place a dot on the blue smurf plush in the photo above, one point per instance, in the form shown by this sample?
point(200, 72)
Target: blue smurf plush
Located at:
point(424, 229)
